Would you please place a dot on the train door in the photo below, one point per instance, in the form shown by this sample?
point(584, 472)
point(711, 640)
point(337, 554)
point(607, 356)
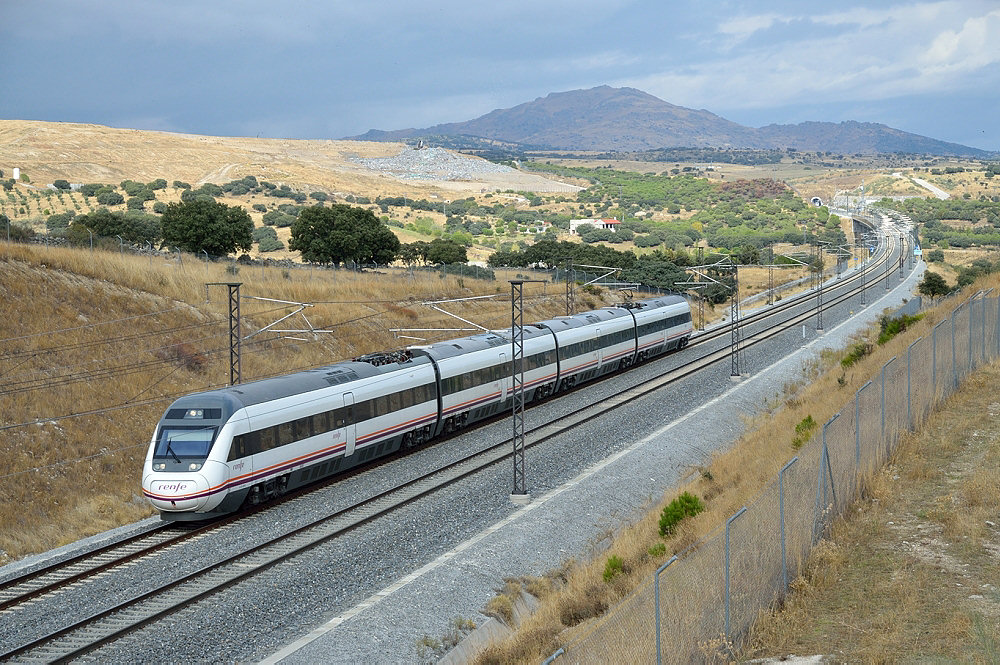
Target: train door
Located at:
point(599, 350)
point(351, 431)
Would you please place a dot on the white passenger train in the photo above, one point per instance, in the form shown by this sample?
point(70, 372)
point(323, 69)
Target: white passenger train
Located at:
point(214, 451)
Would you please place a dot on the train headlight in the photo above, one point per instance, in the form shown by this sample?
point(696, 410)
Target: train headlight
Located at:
point(194, 466)
point(159, 466)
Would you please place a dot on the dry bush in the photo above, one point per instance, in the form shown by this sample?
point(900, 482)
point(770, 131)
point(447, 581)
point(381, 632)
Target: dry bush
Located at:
point(184, 355)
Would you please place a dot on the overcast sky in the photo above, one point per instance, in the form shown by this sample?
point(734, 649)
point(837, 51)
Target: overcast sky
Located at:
point(333, 68)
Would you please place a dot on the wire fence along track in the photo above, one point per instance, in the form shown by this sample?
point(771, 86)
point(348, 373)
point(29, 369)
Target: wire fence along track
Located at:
point(710, 594)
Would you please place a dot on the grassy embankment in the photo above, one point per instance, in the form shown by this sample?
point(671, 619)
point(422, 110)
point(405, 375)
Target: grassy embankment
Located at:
point(911, 575)
point(574, 596)
point(111, 339)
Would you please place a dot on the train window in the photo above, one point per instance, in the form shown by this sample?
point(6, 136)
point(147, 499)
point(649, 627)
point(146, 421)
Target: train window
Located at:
point(393, 402)
point(286, 434)
point(320, 423)
point(360, 412)
point(339, 417)
point(267, 437)
point(303, 428)
point(238, 448)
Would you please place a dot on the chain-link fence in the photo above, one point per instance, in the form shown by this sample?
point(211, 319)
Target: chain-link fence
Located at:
point(702, 602)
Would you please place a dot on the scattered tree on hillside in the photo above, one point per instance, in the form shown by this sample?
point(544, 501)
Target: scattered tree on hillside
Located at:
point(441, 251)
point(77, 234)
point(61, 184)
point(342, 233)
point(933, 285)
point(203, 225)
point(413, 252)
point(132, 227)
point(110, 198)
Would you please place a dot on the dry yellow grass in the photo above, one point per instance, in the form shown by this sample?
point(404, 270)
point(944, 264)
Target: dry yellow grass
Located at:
point(117, 337)
point(911, 575)
point(47, 151)
point(731, 480)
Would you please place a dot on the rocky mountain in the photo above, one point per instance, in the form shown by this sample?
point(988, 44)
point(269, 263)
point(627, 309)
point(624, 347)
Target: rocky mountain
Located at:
point(626, 119)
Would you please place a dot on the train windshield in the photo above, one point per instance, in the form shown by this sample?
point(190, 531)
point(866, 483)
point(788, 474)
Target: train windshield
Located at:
point(184, 442)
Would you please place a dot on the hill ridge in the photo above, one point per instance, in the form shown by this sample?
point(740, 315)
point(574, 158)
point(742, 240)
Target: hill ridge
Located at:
point(605, 118)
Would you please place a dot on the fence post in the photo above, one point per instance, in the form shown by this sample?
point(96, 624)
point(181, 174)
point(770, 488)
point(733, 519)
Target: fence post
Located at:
point(954, 357)
point(934, 353)
point(656, 600)
point(781, 512)
point(857, 429)
point(884, 439)
point(982, 360)
point(909, 412)
point(972, 313)
point(729, 522)
point(826, 455)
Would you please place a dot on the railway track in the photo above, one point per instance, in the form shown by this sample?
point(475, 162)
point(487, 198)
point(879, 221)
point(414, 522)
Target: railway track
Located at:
point(107, 625)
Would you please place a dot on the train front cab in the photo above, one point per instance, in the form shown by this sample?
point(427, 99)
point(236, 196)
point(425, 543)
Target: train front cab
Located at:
point(182, 477)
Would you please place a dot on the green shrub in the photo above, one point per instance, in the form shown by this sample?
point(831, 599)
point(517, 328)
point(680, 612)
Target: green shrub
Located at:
point(614, 566)
point(892, 326)
point(856, 353)
point(803, 431)
point(270, 244)
point(686, 505)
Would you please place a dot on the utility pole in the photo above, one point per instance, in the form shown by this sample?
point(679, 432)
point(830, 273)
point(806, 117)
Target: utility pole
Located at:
point(819, 288)
point(520, 493)
point(734, 316)
point(234, 329)
point(701, 293)
point(862, 267)
point(570, 305)
point(902, 251)
point(770, 274)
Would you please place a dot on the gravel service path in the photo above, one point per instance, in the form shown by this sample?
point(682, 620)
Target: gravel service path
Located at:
point(372, 594)
point(933, 189)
